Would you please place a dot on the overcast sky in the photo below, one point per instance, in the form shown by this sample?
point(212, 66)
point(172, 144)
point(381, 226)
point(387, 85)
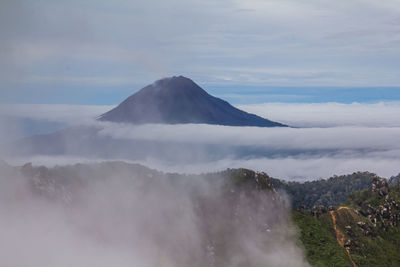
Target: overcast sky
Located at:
point(101, 50)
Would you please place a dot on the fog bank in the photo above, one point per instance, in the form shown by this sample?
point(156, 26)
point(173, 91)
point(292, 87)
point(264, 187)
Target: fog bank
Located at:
point(115, 214)
point(337, 139)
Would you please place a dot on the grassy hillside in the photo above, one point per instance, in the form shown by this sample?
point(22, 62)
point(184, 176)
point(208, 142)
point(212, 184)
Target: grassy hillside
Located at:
point(318, 239)
point(364, 231)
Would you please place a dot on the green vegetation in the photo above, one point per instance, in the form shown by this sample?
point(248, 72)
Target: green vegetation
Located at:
point(332, 191)
point(382, 246)
point(368, 244)
point(251, 178)
point(319, 241)
point(369, 226)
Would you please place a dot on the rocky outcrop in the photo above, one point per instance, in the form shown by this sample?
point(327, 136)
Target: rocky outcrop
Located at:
point(365, 228)
point(384, 215)
point(317, 211)
point(380, 185)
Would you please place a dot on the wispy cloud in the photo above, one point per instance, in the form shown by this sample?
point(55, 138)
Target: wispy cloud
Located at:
point(278, 43)
point(72, 114)
point(292, 168)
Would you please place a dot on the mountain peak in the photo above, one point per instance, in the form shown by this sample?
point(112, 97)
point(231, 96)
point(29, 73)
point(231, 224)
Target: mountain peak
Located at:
point(179, 78)
point(174, 82)
point(176, 100)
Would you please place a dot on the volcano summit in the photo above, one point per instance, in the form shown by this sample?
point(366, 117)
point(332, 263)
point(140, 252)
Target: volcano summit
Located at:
point(178, 100)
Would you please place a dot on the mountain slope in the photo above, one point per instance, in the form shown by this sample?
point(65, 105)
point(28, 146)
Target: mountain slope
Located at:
point(366, 228)
point(179, 100)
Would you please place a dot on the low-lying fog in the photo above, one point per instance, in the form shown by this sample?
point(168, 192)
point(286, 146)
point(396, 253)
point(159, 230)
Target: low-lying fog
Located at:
point(329, 138)
point(115, 214)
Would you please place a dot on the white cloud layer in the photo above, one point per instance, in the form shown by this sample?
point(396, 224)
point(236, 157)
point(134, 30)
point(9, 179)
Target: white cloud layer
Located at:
point(279, 138)
point(383, 114)
point(339, 139)
point(69, 114)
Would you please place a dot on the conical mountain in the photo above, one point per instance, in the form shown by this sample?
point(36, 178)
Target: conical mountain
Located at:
point(178, 100)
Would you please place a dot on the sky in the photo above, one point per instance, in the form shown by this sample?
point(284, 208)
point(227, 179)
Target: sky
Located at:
point(254, 51)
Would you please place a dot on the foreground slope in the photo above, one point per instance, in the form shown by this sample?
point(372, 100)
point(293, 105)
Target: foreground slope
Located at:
point(363, 231)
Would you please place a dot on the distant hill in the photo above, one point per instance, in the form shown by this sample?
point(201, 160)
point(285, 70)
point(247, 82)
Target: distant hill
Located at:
point(177, 100)
point(327, 192)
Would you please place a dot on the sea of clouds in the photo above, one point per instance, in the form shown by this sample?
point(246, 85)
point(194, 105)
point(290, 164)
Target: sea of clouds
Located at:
point(326, 138)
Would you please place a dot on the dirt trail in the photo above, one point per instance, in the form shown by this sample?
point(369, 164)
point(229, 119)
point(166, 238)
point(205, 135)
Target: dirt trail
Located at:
point(340, 235)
